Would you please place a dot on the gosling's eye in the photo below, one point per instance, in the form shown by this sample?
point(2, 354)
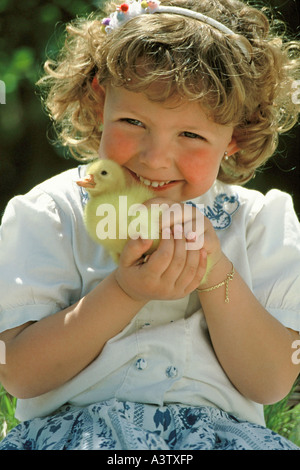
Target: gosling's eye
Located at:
point(103, 172)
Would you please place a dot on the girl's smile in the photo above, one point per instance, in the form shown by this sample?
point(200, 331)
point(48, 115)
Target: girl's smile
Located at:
point(172, 146)
point(156, 185)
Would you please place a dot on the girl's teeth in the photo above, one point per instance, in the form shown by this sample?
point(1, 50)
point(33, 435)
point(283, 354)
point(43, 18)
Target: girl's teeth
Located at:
point(154, 184)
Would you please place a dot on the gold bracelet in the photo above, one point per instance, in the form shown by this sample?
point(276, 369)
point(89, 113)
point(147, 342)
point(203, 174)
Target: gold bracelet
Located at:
point(229, 277)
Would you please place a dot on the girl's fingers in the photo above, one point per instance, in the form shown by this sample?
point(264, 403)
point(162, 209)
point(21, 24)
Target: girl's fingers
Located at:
point(191, 272)
point(179, 255)
point(200, 270)
point(133, 251)
point(160, 260)
point(194, 234)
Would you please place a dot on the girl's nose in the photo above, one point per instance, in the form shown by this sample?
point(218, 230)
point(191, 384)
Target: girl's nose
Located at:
point(156, 153)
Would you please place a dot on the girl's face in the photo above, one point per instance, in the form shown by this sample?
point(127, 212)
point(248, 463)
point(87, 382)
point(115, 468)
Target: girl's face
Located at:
point(171, 146)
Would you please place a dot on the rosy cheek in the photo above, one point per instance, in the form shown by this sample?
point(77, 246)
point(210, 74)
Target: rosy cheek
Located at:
point(196, 168)
point(117, 146)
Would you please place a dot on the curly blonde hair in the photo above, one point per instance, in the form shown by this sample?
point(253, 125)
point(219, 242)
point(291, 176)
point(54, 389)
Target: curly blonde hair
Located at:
point(193, 60)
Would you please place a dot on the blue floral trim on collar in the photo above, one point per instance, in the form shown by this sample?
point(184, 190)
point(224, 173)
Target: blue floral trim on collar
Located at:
point(220, 214)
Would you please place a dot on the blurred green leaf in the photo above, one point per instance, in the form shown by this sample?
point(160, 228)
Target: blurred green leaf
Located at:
point(11, 82)
point(3, 5)
point(23, 58)
point(49, 13)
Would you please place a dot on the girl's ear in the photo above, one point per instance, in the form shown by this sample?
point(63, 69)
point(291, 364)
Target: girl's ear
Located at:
point(232, 147)
point(100, 92)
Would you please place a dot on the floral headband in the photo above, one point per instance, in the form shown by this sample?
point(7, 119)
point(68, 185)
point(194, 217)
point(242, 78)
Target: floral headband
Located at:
point(133, 8)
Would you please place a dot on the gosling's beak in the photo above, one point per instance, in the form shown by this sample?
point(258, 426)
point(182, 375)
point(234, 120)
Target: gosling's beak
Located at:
point(87, 182)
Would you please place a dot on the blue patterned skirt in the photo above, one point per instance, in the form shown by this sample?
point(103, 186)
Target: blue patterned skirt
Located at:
point(114, 425)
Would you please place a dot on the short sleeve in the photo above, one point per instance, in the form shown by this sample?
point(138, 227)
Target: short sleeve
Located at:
point(273, 245)
point(38, 275)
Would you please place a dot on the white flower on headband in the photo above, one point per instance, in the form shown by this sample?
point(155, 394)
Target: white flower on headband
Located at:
point(133, 8)
point(128, 10)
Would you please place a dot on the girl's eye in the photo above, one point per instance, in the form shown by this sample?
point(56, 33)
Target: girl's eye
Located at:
point(134, 122)
point(191, 135)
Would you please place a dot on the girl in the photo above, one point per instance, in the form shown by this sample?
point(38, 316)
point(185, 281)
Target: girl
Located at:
point(181, 351)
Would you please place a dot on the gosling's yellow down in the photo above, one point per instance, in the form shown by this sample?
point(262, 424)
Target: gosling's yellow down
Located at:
point(112, 215)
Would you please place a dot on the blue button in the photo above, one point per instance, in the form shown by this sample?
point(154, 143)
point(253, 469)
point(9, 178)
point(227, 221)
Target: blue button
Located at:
point(141, 364)
point(171, 372)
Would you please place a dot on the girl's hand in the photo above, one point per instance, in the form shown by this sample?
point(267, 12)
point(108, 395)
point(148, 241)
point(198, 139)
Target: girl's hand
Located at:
point(171, 272)
point(176, 268)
